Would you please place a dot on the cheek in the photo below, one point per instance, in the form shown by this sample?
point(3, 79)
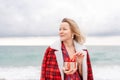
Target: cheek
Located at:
point(67, 35)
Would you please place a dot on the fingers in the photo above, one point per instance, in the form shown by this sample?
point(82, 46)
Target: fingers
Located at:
point(80, 56)
point(80, 53)
point(74, 70)
point(67, 71)
point(71, 71)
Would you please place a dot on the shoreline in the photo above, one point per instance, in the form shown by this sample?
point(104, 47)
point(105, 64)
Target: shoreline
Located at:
point(45, 41)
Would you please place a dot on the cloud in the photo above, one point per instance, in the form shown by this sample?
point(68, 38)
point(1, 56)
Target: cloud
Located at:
point(43, 17)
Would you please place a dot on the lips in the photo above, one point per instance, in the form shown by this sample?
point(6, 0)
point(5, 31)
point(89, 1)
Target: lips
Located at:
point(61, 35)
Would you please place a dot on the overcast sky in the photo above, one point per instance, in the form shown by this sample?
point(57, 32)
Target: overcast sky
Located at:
point(43, 17)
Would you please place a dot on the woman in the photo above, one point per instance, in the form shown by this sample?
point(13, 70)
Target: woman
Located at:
point(64, 50)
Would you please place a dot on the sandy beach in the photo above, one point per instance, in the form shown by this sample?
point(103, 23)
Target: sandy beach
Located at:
point(43, 41)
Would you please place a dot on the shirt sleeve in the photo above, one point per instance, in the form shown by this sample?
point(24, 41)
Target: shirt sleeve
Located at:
point(43, 66)
point(89, 67)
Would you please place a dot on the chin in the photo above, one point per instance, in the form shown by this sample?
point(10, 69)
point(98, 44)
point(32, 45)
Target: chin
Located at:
point(62, 39)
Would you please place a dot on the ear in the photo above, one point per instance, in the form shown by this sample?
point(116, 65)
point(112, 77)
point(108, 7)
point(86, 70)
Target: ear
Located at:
point(73, 35)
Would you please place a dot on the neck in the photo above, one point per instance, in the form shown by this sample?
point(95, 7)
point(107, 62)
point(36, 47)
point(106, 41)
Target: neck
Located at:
point(68, 43)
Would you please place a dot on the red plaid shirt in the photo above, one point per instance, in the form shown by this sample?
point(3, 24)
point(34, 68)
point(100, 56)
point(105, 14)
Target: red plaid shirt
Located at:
point(66, 57)
point(89, 67)
point(50, 70)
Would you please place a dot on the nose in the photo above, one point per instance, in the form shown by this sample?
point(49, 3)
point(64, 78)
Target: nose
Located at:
point(60, 31)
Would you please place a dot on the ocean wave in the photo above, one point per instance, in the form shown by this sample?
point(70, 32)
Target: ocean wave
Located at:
point(19, 73)
point(106, 72)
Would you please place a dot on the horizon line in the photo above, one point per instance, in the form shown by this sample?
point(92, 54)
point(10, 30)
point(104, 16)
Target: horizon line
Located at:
point(45, 41)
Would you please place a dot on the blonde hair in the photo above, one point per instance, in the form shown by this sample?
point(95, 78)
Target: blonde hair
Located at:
point(78, 35)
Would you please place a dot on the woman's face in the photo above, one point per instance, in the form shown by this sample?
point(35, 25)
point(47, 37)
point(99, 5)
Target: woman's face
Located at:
point(65, 32)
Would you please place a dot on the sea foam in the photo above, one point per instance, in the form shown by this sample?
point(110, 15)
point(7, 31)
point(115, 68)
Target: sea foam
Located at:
point(19, 73)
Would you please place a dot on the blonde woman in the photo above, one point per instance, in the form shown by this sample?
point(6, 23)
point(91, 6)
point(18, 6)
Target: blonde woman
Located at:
point(67, 58)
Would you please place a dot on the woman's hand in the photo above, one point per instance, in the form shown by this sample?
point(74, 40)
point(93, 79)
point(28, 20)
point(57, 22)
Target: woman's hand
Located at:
point(80, 56)
point(70, 71)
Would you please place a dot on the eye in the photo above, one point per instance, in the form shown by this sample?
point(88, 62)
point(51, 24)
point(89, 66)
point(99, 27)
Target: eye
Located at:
point(64, 29)
point(59, 29)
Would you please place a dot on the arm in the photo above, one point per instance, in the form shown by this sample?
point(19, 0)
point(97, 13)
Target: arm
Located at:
point(80, 57)
point(84, 65)
point(80, 68)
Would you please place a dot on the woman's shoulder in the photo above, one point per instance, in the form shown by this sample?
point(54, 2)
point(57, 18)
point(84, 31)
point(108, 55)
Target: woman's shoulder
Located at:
point(56, 45)
point(49, 49)
point(79, 46)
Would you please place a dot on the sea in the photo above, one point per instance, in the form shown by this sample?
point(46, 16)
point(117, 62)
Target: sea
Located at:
point(24, 62)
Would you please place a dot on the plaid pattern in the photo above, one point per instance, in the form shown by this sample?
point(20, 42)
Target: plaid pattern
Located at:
point(66, 57)
point(50, 70)
point(89, 67)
